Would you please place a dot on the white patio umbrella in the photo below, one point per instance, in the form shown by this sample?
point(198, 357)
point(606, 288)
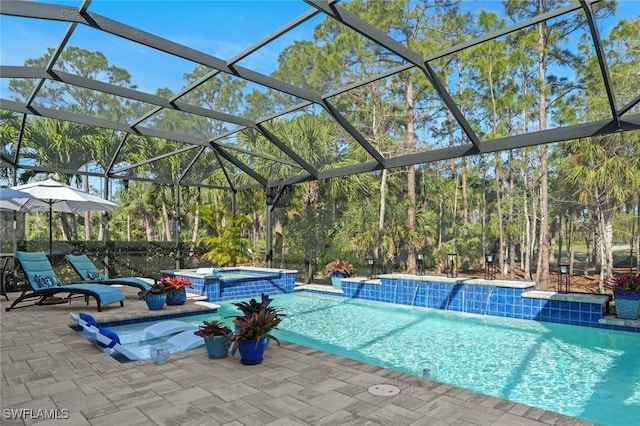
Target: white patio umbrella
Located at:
point(12, 199)
point(51, 196)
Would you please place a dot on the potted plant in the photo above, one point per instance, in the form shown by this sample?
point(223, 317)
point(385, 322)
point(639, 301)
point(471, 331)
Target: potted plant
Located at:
point(626, 294)
point(215, 335)
point(253, 306)
point(337, 270)
point(177, 294)
point(156, 295)
point(253, 329)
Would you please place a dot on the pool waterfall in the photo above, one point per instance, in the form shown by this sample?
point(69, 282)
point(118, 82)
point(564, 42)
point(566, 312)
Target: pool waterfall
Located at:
point(515, 299)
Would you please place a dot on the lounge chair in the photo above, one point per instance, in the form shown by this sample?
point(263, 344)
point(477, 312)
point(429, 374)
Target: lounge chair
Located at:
point(88, 271)
point(45, 285)
point(167, 328)
point(160, 329)
point(109, 341)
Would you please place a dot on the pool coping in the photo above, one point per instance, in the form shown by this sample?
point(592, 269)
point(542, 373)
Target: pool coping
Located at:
point(192, 271)
point(168, 312)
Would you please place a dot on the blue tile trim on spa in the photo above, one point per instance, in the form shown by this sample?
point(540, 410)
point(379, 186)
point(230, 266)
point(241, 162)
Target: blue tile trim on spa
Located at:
point(156, 318)
point(264, 280)
point(512, 299)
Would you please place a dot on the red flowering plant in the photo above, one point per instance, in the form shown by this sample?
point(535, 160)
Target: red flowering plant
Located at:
point(158, 287)
point(340, 266)
point(627, 282)
point(176, 283)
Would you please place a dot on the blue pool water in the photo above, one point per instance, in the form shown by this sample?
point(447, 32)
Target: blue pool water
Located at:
point(581, 372)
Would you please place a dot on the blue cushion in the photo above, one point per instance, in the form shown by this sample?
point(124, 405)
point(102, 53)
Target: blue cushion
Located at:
point(111, 335)
point(88, 318)
point(94, 275)
point(106, 293)
point(41, 281)
point(45, 281)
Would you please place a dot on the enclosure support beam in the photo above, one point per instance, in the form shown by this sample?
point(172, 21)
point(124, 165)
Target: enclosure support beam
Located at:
point(176, 223)
point(271, 201)
point(105, 227)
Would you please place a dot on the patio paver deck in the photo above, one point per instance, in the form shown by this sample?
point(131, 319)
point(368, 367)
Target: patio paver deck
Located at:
point(48, 369)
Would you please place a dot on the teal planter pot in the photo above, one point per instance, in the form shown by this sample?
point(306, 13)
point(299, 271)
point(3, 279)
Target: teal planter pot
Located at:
point(155, 302)
point(216, 346)
point(336, 280)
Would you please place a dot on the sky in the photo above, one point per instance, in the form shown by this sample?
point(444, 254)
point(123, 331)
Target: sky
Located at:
point(220, 28)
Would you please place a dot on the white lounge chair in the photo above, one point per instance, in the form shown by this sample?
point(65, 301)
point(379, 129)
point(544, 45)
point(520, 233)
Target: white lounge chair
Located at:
point(167, 328)
point(181, 342)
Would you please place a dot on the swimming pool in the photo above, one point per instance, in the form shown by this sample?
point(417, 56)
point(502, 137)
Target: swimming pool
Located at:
point(582, 372)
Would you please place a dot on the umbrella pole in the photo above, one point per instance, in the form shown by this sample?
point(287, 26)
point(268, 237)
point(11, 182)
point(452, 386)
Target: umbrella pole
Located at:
point(50, 230)
point(14, 232)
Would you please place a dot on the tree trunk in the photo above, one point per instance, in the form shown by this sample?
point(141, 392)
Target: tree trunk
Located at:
point(87, 215)
point(463, 160)
point(65, 226)
point(587, 260)
point(543, 244)
point(528, 218)
point(166, 223)
point(605, 208)
point(534, 231)
point(411, 218)
point(411, 180)
point(278, 227)
point(196, 225)
point(484, 221)
point(383, 204)
point(571, 236)
point(510, 240)
point(543, 258)
point(465, 195)
point(501, 244)
point(147, 224)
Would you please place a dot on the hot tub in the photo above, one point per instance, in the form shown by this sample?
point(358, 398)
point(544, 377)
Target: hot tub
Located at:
point(236, 282)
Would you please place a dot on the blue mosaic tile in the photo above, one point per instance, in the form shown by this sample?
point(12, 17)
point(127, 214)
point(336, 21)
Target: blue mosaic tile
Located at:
point(154, 318)
point(483, 300)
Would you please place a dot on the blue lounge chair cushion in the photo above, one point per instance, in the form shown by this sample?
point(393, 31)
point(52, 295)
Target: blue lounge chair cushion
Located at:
point(45, 281)
point(111, 335)
point(88, 318)
point(37, 268)
point(42, 277)
point(95, 275)
point(89, 272)
point(107, 294)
